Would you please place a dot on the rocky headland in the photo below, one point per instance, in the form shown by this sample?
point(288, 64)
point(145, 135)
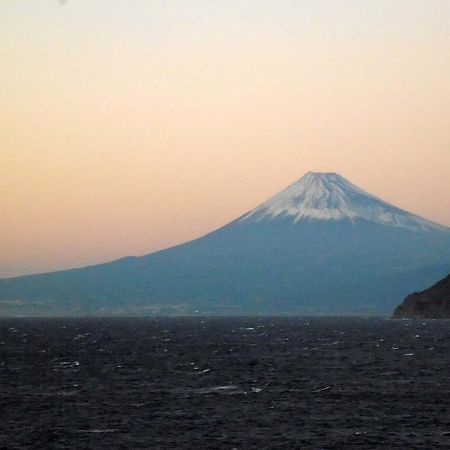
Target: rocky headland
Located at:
point(432, 303)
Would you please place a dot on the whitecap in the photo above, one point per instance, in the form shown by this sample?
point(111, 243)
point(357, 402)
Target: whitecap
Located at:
point(99, 430)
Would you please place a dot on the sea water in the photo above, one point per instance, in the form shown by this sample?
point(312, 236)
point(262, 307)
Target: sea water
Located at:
point(224, 383)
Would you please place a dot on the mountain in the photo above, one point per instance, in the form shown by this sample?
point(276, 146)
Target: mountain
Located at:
point(320, 246)
point(432, 303)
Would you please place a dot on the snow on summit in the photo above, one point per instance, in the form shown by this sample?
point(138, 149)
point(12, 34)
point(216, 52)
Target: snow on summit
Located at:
point(328, 196)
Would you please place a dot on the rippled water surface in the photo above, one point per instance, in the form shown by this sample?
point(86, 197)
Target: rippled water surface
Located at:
point(224, 383)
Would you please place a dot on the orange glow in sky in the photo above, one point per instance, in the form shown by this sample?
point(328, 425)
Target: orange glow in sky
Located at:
point(130, 126)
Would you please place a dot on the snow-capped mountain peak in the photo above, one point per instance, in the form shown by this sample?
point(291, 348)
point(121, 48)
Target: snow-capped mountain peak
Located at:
point(329, 196)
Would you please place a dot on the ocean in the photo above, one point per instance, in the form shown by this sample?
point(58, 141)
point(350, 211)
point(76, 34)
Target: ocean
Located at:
point(224, 383)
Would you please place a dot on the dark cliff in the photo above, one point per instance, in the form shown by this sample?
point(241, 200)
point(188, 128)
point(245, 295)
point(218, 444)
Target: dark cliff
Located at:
point(432, 303)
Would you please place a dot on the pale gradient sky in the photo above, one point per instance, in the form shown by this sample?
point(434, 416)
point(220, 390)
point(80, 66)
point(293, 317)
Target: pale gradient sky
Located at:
point(127, 126)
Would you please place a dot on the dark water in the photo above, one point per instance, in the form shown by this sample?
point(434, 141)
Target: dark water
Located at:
point(224, 383)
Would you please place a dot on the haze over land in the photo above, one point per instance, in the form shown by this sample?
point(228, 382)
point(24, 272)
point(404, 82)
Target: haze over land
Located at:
point(128, 127)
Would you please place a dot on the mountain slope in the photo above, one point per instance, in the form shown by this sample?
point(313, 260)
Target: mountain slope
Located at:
point(320, 246)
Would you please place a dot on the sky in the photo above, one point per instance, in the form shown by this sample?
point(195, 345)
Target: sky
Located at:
point(128, 126)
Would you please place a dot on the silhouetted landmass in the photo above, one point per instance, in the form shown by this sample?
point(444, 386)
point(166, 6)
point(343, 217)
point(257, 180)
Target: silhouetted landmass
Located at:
point(432, 303)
